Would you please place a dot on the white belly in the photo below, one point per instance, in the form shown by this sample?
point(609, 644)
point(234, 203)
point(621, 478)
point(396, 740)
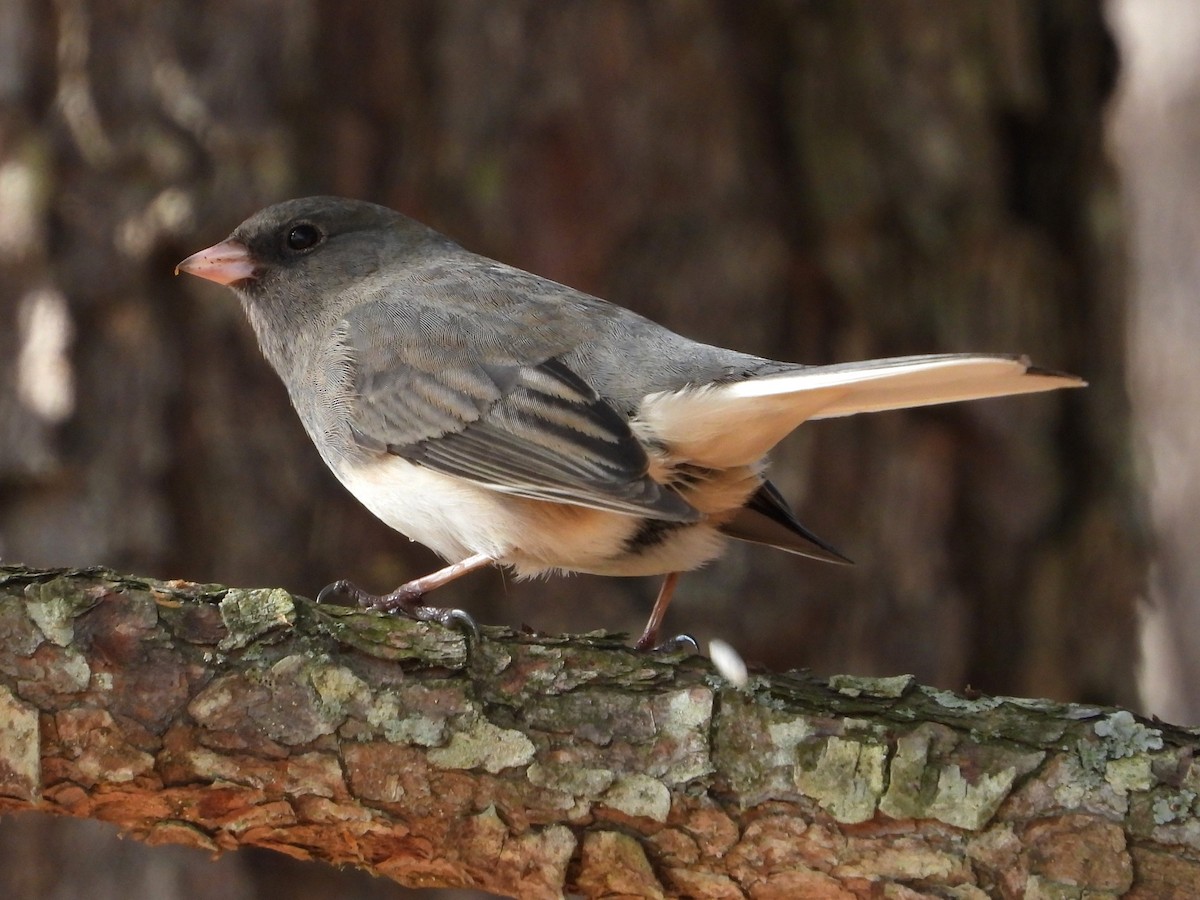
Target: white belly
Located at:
point(457, 519)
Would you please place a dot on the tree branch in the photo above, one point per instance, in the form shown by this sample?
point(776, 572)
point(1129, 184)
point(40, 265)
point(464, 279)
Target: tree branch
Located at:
point(218, 717)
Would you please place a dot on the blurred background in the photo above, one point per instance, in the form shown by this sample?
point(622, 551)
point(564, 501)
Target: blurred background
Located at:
point(811, 181)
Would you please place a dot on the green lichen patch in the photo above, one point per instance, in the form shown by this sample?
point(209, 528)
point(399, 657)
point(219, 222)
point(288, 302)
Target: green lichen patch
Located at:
point(294, 712)
point(294, 702)
point(484, 746)
point(860, 686)
point(419, 729)
point(912, 782)
point(54, 605)
point(928, 777)
point(969, 804)
point(948, 700)
point(570, 777)
point(1029, 722)
point(420, 712)
point(844, 776)
point(1132, 773)
point(19, 634)
point(593, 716)
point(340, 691)
point(1064, 783)
point(388, 637)
point(683, 718)
point(521, 671)
point(250, 614)
point(71, 671)
point(755, 746)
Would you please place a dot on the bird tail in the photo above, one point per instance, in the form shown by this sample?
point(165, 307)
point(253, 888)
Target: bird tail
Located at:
point(736, 423)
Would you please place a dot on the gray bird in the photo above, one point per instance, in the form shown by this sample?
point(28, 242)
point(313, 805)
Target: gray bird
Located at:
point(500, 418)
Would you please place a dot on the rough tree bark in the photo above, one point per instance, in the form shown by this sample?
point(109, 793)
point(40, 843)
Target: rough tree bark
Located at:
point(218, 717)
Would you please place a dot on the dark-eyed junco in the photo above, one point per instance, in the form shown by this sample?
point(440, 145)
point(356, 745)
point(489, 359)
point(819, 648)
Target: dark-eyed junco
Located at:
point(501, 418)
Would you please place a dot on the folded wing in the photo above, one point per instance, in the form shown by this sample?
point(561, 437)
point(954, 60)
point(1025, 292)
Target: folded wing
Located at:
point(496, 415)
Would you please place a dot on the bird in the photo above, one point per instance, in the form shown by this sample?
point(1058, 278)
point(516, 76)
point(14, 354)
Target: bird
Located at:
point(503, 419)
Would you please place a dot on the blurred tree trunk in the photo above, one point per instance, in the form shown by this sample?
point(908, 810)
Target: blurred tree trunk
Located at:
point(1155, 132)
point(809, 181)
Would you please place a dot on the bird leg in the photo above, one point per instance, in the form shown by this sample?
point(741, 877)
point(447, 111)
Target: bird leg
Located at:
point(408, 599)
point(649, 639)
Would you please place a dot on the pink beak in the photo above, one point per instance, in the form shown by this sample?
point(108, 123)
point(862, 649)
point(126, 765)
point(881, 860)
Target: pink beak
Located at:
point(224, 263)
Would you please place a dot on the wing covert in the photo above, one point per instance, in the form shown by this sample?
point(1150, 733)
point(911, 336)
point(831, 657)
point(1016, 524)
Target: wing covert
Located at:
point(479, 411)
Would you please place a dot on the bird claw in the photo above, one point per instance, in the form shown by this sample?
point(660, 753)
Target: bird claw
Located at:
point(405, 601)
point(338, 587)
point(447, 617)
point(680, 643)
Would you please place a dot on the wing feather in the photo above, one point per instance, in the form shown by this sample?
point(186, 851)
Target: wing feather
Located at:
point(516, 422)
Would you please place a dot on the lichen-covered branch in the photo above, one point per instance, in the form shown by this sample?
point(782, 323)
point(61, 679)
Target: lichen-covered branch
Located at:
point(219, 717)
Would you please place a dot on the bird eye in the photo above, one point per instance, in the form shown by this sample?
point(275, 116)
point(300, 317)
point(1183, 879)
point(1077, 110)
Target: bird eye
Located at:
point(303, 237)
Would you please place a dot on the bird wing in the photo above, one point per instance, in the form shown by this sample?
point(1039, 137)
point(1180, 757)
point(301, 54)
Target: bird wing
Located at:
point(431, 386)
point(736, 423)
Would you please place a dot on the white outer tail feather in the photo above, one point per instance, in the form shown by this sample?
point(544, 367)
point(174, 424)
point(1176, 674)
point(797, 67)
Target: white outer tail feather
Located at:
point(735, 424)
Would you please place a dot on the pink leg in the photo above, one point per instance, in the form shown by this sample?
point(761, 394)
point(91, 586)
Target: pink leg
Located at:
point(408, 599)
point(649, 638)
point(434, 580)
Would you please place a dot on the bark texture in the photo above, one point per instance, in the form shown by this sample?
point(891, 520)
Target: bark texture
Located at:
point(221, 718)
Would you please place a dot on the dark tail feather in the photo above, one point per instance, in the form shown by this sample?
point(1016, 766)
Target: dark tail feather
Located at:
point(767, 519)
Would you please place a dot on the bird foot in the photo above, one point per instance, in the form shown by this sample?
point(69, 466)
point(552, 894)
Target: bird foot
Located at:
point(680, 643)
point(407, 600)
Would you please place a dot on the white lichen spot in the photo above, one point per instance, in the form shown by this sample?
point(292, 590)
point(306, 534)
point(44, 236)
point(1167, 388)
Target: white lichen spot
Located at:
point(1124, 736)
point(1179, 805)
point(846, 779)
point(484, 746)
point(640, 795)
point(75, 671)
